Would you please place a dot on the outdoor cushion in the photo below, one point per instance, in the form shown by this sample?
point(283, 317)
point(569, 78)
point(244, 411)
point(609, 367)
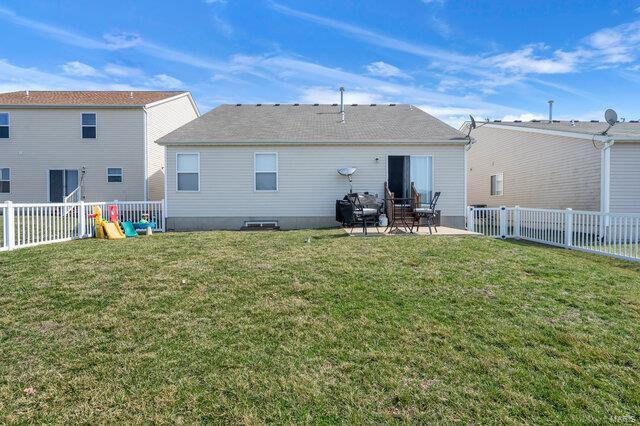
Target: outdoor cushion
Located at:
point(368, 211)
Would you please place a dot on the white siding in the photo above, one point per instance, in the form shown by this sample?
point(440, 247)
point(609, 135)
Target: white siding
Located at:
point(625, 178)
point(308, 180)
point(161, 120)
point(539, 170)
point(50, 138)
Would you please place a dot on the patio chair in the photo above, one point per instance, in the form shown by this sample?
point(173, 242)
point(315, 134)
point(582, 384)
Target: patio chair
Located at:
point(365, 210)
point(428, 213)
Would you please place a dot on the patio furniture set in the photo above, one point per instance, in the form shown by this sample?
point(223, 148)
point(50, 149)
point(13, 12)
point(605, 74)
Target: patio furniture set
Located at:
point(402, 214)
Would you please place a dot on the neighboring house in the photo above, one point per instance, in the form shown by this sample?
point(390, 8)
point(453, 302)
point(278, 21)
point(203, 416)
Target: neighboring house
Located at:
point(247, 164)
point(86, 145)
point(556, 165)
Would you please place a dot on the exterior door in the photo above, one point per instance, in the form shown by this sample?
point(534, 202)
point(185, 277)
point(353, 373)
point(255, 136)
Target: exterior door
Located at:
point(61, 184)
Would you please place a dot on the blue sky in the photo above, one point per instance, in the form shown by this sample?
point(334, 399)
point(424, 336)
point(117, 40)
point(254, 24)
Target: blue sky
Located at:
point(498, 60)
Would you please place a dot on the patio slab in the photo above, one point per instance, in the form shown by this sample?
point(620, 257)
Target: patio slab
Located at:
point(442, 231)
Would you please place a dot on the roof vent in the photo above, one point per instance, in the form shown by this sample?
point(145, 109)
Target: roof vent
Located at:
point(576, 121)
point(296, 104)
point(238, 104)
point(517, 121)
point(535, 121)
point(27, 93)
point(276, 104)
point(392, 104)
point(497, 121)
point(373, 105)
point(258, 104)
point(595, 121)
point(634, 121)
point(316, 104)
point(354, 104)
point(334, 104)
point(556, 121)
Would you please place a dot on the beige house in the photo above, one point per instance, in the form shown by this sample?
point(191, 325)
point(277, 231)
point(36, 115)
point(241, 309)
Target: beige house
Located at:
point(57, 145)
point(240, 165)
point(558, 164)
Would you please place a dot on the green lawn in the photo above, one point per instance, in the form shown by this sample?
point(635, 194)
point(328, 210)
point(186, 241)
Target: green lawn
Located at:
point(264, 327)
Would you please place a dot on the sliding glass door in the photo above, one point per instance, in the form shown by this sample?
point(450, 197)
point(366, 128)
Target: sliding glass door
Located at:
point(61, 184)
point(404, 169)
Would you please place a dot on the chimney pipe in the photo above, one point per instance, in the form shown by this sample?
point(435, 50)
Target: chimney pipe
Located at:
point(342, 103)
point(551, 111)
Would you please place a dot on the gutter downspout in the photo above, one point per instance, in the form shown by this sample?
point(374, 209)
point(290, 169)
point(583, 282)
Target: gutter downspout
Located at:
point(467, 147)
point(146, 156)
point(605, 176)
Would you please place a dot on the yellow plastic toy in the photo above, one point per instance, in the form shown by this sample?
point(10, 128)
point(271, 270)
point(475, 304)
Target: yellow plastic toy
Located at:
point(104, 229)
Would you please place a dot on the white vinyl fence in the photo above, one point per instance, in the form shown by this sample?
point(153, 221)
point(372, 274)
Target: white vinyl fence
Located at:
point(610, 234)
point(27, 225)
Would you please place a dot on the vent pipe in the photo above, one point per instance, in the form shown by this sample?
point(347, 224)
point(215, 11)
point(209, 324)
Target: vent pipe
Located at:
point(342, 104)
point(551, 111)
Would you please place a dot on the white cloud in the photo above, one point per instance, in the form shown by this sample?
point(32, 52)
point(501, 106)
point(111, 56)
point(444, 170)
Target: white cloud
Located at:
point(382, 69)
point(78, 69)
point(14, 77)
point(122, 40)
point(122, 71)
point(164, 81)
point(527, 116)
point(524, 61)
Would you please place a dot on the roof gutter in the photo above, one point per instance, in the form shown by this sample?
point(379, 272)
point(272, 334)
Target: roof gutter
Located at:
point(461, 142)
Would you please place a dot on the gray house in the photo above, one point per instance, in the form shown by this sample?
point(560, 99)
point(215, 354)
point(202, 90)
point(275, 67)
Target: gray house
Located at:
point(242, 165)
point(556, 164)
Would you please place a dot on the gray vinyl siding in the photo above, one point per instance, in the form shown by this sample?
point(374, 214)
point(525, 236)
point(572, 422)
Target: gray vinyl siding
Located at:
point(308, 182)
point(540, 170)
point(625, 178)
point(50, 138)
point(161, 120)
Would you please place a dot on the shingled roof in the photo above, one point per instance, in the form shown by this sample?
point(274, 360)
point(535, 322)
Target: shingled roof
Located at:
point(624, 130)
point(84, 98)
point(275, 123)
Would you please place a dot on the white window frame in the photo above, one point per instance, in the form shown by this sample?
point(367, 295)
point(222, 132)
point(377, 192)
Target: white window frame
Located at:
point(82, 126)
point(276, 171)
point(178, 172)
point(10, 180)
point(111, 174)
point(491, 187)
point(8, 126)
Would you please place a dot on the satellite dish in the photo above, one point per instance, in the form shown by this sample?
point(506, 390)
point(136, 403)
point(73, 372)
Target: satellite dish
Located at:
point(473, 122)
point(347, 171)
point(611, 117)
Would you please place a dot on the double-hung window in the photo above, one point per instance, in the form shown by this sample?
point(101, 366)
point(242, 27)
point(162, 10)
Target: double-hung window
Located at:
point(114, 174)
point(4, 125)
point(188, 171)
point(497, 184)
point(266, 171)
point(5, 180)
point(89, 125)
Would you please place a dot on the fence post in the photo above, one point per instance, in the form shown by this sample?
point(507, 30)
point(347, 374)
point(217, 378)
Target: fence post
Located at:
point(516, 222)
point(503, 222)
point(9, 228)
point(82, 221)
point(568, 228)
point(471, 220)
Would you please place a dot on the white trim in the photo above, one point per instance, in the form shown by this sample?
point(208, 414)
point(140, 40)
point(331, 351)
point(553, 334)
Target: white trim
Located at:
point(297, 142)
point(121, 175)
point(178, 172)
point(277, 171)
point(82, 126)
point(166, 180)
point(10, 180)
point(605, 179)
point(8, 125)
point(433, 169)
